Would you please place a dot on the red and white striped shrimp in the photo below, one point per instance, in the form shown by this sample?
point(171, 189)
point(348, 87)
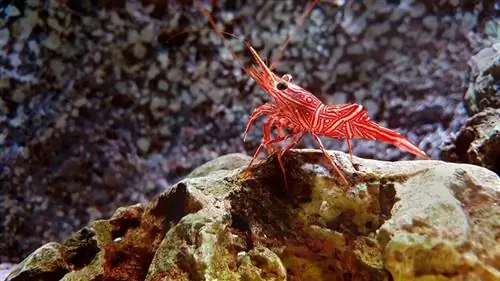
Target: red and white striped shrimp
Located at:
point(299, 111)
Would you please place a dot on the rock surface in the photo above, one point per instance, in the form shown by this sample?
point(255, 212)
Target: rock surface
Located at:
point(478, 142)
point(412, 220)
point(484, 80)
point(5, 269)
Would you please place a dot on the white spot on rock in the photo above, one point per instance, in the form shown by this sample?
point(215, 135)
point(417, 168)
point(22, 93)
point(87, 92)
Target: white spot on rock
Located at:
point(157, 106)
point(14, 60)
point(162, 85)
point(11, 11)
point(431, 22)
point(147, 34)
point(143, 144)
point(153, 71)
point(52, 42)
point(139, 51)
point(174, 75)
point(344, 68)
point(57, 67)
point(316, 169)
point(4, 36)
point(352, 26)
point(33, 47)
point(163, 59)
point(418, 10)
point(133, 36)
point(356, 49)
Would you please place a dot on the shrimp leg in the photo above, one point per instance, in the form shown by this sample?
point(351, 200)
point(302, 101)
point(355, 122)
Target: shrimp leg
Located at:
point(329, 157)
point(279, 154)
point(266, 108)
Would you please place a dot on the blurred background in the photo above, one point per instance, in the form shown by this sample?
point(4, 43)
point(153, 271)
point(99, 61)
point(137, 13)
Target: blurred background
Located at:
point(105, 103)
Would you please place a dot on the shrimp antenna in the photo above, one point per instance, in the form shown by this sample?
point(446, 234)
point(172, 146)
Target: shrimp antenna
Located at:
point(249, 71)
point(252, 71)
point(193, 30)
point(293, 31)
point(221, 34)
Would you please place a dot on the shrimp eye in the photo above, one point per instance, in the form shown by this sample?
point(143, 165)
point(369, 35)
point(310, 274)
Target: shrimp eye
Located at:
point(282, 85)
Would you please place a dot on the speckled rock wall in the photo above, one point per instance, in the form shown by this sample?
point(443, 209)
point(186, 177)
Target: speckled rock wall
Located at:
point(101, 101)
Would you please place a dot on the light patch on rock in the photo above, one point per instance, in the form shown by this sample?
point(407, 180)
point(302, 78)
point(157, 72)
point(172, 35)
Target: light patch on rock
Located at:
point(4, 36)
point(317, 169)
point(143, 144)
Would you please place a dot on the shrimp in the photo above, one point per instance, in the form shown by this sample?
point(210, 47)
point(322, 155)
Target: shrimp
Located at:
point(298, 111)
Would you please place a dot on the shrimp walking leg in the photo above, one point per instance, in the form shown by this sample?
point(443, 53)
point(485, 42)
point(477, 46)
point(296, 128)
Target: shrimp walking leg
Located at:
point(279, 155)
point(264, 142)
point(349, 147)
point(329, 157)
point(265, 109)
point(293, 143)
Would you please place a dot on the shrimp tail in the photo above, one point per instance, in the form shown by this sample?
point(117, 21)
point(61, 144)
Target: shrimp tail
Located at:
point(374, 131)
point(351, 121)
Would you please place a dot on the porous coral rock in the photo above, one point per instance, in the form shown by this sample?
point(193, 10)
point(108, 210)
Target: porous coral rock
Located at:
point(410, 220)
point(478, 142)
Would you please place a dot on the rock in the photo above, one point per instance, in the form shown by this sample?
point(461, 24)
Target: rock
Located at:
point(484, 80)
point(414, 220)
point(5, 269)
point(225, 162)
point(120, 248)
point(46, 263)
point(478, 142)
